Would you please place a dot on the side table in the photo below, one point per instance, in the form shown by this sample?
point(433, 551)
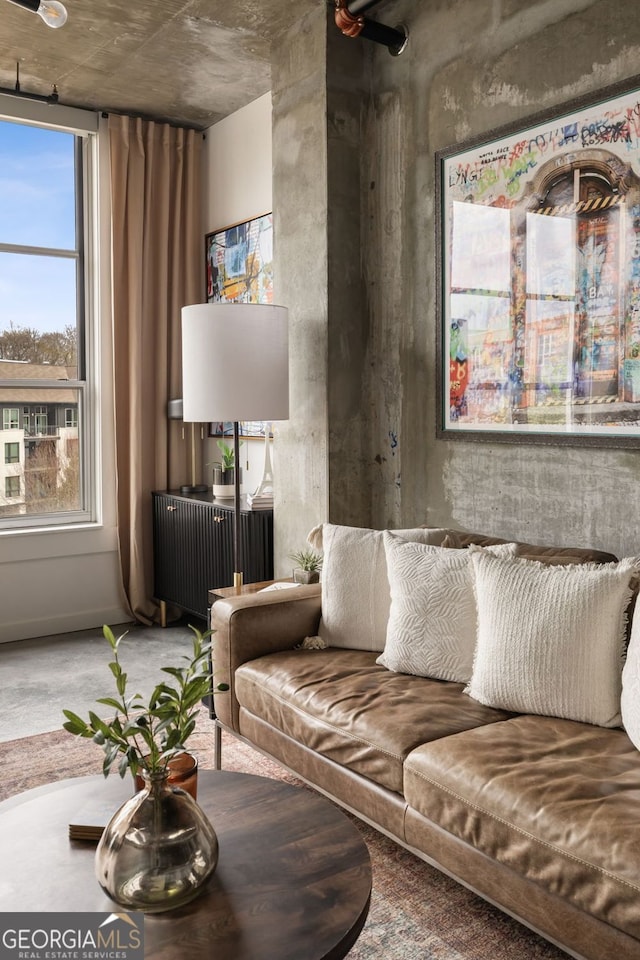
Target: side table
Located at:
point(222, 593)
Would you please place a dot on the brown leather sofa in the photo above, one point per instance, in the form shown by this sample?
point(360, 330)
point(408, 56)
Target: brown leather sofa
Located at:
point(539, 815)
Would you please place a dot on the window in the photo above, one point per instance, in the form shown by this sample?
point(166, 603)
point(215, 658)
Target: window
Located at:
point(12, 453)
point(12, 487)
point(10, 419)
point(45, 379)
point(40, 419)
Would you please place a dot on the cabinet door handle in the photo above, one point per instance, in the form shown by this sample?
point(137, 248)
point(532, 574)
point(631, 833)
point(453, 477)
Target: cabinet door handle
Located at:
point(171, 508)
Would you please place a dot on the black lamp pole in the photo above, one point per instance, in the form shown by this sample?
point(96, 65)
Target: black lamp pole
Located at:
point(237, 553)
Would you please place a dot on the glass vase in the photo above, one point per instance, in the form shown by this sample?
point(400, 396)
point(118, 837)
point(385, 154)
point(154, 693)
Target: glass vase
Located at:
point(157, 850)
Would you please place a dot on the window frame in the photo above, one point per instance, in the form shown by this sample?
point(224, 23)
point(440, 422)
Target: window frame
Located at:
point(83, 125)
point(10, 422)
point(9, 481)
point(70, 417)
point(8, 458)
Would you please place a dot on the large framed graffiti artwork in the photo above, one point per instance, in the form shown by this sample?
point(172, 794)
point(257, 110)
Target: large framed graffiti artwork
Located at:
point(539, 278)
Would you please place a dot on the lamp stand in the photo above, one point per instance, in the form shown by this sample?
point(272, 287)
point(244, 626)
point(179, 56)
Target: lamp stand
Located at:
point(237, 558)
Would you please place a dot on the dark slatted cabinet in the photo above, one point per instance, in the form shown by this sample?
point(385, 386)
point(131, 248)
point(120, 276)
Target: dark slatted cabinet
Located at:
point(193, 547)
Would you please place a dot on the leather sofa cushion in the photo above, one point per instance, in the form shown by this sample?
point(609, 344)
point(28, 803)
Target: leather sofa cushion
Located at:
point(459, 540)
point(353, 711)
point(556, 800)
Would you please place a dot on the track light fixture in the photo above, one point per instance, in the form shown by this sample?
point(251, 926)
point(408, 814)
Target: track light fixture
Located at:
point(17, 92)
point(52, 12)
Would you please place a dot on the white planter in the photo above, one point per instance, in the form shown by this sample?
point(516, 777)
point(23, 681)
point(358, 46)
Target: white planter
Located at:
point(223, 491)
point(224, 483)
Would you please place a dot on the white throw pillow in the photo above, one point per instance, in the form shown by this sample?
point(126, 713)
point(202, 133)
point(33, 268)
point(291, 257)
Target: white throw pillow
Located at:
point(630, 700)
point(355, 588)
point(432, 620)
point(551, 638)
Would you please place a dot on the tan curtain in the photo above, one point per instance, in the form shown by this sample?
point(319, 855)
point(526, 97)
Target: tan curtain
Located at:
point(157, 250)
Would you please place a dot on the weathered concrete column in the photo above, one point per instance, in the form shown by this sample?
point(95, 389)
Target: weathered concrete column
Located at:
point(316, 89)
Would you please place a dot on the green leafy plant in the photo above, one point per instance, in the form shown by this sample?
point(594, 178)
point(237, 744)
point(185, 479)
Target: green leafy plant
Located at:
point(307, 560)
point(144, 736)
point(228, 456)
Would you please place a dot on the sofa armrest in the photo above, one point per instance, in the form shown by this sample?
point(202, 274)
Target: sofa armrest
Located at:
point(250, 626)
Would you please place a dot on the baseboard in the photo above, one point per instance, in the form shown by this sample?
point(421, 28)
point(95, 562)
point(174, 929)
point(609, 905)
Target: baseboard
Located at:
point(29, 629)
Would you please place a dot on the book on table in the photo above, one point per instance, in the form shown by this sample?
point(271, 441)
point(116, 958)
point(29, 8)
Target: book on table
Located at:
point(90, 819)
point(260, 501)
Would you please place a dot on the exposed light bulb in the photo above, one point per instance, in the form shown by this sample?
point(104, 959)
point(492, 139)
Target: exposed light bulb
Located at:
point(53, 13)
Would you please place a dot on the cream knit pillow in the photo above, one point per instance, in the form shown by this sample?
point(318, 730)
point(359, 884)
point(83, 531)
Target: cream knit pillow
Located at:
point(432, 620)
point(355, 588)
point(551, 638)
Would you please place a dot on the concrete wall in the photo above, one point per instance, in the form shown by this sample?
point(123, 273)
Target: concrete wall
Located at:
point(300, 250)
point(470, 66)
point(319, 86)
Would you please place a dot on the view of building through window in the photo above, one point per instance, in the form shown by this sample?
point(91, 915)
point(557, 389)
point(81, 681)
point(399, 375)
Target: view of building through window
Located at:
point(41, 367)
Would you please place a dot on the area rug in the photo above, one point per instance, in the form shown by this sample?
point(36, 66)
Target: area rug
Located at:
point(416, 912)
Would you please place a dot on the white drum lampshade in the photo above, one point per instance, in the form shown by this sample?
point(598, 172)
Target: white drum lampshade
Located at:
point(235, 362)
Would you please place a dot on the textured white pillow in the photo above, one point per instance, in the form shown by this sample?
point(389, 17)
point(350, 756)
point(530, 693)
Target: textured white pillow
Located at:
point(630, 700)
point(551, 638)
point(355, 588)
point(432, 620)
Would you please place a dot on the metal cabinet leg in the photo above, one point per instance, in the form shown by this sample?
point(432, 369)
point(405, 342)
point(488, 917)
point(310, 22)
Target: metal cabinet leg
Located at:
point(163, 613)
point(217, 746)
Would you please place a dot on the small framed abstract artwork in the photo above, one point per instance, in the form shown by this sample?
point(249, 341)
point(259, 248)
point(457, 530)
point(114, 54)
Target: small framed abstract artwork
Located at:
point(539, 278)
point(239, 262)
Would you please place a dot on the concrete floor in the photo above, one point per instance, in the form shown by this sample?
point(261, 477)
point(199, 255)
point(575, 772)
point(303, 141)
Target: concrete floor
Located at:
point(41, 677)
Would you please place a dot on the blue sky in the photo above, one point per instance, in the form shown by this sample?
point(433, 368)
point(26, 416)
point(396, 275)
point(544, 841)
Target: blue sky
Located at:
point(37, 207)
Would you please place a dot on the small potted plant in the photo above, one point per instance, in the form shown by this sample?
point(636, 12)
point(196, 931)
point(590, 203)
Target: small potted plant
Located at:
point(308, 565)
point(224, 471)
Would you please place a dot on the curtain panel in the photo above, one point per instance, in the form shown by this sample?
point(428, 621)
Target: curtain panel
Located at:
point(156, 196)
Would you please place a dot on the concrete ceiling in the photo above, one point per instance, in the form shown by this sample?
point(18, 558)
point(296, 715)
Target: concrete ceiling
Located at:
point(191, 62)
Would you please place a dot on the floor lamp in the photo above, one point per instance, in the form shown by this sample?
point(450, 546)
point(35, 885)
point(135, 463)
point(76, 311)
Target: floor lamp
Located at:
point(235, 366)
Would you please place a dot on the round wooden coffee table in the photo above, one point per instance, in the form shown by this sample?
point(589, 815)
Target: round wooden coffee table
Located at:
point(293, 879)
